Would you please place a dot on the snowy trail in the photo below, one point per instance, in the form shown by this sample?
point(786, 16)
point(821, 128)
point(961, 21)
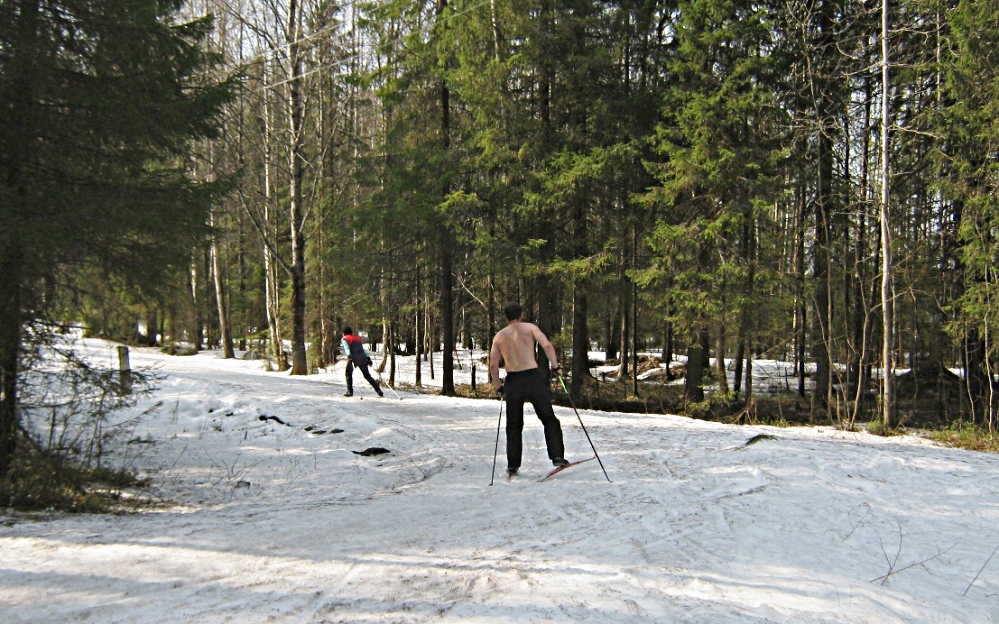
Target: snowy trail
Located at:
point(270, 522)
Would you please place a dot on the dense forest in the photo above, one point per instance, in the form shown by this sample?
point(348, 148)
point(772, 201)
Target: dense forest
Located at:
point(804, 180)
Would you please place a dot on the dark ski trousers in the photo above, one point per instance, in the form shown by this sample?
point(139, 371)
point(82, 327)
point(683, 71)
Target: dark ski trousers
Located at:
point(530, 386)
point(364, 371)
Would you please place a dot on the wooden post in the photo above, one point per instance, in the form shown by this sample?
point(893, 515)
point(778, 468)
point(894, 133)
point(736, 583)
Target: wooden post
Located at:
point(124, 370)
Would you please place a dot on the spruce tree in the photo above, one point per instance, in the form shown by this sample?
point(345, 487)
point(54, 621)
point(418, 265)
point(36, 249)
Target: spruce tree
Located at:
point(99, 103)
point(720, 156)
point(968, 167)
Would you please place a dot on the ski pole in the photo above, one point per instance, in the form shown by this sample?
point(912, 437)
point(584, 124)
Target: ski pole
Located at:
point(496, 450)
point(388, 386)
point(573, 404)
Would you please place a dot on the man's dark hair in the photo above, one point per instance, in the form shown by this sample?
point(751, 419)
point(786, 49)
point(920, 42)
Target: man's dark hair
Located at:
point(512, 311)
point(347, 331)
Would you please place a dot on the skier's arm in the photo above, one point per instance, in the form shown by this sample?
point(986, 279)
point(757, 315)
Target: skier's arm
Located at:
point(546, 346)
point(494, 358)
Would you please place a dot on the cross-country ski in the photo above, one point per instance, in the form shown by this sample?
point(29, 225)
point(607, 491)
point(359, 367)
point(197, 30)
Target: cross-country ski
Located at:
point(561, 468)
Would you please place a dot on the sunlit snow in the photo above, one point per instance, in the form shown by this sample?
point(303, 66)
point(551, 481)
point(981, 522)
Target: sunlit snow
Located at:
point(264, 522)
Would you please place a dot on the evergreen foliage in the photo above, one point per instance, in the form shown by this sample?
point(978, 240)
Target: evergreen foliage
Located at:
point(968, 167)
point(100, 101)
point(722, 153)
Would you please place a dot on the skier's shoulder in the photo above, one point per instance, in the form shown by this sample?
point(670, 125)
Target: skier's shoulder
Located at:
point(503, 335)
point(530, 330)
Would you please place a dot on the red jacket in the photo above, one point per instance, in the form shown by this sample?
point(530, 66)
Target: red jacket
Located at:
point(354, 349)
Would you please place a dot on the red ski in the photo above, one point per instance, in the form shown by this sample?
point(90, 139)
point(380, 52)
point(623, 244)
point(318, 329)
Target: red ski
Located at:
point(569, 465)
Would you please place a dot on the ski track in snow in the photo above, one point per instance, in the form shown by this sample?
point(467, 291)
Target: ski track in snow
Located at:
point(265, 522)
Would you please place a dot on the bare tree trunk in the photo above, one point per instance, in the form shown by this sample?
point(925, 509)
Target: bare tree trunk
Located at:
point(195, 323)
point(623, 309)
point(11, 267)
point(299, 362)
point(491, 277)
point(447, 247)
point(800, 306)
point(887, 300)
point(386, 343)
point(623, 324)
point(693, 389)
point(720, 359)
point(612, 333)
point(152, 327)
point(634, 313)
point(390, 349)
point(824, 209)
point(419, 329)
point(17, 94)
point(273, 304)
point(225, 334)
point(863, 310)
point(580, 308)
point(668, 348)
point(325, 350)
point(820, 271)
point(431, 335)
point(271, 284)
point(747, 250)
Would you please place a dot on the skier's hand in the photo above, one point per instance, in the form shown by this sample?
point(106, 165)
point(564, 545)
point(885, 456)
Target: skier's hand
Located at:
point(500, 390)
point(557, 371)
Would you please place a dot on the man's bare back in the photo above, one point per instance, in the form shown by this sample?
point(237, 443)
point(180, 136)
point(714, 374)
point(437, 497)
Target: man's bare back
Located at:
point(514, 344)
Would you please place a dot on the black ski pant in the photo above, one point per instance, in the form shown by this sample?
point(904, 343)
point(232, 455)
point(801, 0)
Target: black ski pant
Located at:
point(520, 387)
point(364, 371)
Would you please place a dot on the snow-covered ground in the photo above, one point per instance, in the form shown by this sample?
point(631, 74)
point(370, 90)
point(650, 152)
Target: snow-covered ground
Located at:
point(270, 522)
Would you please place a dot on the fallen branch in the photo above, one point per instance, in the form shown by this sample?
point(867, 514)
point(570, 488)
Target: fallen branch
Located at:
point(891, 562)
point(884, 578)
point(858, 525)
point(980, 571)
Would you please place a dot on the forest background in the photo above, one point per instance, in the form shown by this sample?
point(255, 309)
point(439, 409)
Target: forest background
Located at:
point(805, 180)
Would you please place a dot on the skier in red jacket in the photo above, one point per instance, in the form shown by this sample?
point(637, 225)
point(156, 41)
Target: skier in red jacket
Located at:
point(356, 356)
